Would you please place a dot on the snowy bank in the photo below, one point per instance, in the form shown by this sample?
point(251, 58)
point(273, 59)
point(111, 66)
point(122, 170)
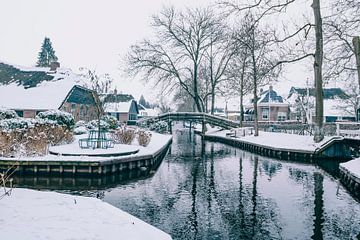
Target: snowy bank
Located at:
point(353, 167)
point(29, 214)
point(158, 141)
point(280, 141)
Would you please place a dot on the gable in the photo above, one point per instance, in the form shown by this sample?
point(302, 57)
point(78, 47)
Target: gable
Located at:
point(80, 95)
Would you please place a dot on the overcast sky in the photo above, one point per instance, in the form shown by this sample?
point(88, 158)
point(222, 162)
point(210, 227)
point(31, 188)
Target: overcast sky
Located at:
point(92, 34)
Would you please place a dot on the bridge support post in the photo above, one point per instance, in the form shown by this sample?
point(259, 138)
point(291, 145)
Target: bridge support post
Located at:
point(203, 127)
point(170, 127)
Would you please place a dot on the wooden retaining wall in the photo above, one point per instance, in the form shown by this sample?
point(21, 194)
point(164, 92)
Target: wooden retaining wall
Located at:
point(350, 181)
point(90, 168)
point(284, 154)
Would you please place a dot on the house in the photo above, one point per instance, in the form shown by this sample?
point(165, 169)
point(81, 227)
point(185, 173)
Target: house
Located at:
point(122, 106)
point(336, 105)
point(270, 107)
point(29, 91)
point(148, 112)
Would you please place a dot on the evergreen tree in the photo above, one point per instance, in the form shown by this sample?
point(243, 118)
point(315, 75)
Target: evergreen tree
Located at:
point(46, 54)
point(143, 102)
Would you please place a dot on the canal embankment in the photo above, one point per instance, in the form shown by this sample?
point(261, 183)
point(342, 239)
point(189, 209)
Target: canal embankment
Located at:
point(350, 175)
point(70, 159)
point(29, 214)
point(282, 145)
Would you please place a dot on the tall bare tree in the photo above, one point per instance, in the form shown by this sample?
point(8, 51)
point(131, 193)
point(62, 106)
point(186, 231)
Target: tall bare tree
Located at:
point(263, 60)
point(216, 63)
point(174, 56)
point(271, 7)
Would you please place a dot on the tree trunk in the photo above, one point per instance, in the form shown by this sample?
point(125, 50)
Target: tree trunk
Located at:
point(356, 42)
point(241, 109)
point(319, 132)
point(212, 100)
point(256, 123)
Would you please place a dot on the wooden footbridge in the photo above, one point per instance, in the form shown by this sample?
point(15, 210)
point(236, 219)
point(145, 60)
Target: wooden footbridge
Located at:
point(203, 118)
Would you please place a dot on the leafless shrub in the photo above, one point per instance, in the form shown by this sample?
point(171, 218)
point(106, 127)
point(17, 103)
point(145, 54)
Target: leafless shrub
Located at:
point(32, 141)
point(6, 182)
point(143, 137)
point(124, 135)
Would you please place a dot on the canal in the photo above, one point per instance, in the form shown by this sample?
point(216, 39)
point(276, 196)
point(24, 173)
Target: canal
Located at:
point(207, 190)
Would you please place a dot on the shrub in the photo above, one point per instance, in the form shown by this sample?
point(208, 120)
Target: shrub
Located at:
point(159, 127)
point(7, 114)
point(143, 137)
point(62, 118)
point(124, 135)
point(111, 121)
point(80, 124)
point(93, 125)
point(31, 137)
point(80, 130)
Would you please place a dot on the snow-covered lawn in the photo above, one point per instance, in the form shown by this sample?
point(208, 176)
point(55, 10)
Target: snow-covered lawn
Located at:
point(28, 214)
point(277, 140)
point(352, 166)
point(158, 141)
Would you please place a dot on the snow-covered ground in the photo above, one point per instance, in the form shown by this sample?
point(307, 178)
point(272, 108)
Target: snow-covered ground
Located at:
point(28, 214)
point(277, 140)
point(158, 141)
point(352, 166)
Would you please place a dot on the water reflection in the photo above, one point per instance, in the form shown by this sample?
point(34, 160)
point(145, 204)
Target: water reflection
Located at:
point(205, 190)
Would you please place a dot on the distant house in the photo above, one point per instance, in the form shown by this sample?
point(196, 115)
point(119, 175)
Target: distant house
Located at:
point(122, 106)
point(148, 112)
point(29, 91)
point(271, 107)
point(336, 106)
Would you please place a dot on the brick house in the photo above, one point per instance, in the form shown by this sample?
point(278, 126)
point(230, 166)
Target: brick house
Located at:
point(271, 107)
point(29, 91)
point(122, 106)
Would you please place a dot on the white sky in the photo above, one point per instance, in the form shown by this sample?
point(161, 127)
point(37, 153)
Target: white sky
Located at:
point(92, 33)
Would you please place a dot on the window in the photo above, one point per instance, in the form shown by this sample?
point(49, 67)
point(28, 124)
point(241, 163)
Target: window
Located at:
point(281, 116)
point(132, 117)
point(265, 114)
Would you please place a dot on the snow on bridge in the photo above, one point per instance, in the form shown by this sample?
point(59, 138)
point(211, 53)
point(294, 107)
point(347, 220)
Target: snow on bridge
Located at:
point(198, 117)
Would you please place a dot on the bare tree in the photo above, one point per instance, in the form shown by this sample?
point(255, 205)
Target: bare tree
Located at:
point(216, 63)
point(174, 56)
point(100, 86)
point(263, 60)
point(270, 7)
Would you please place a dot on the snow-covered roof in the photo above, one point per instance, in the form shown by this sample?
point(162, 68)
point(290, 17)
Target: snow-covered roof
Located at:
point(338, 108)
point(270, 96)
point(45, 95)
point(150, 112)
point(119, 107)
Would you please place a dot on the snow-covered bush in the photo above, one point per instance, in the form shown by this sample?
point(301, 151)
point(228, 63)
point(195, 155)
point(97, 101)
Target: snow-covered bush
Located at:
point(159, 127)
point(143, 137)
point(93, 125)
point(80, 123)
point(112, 122)
point(7, 114)
point(30, 137)
point(80, 130)
point(62, 118)
point(124, 135)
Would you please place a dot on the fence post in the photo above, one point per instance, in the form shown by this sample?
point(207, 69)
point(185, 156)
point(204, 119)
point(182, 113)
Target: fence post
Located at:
point(338, 129)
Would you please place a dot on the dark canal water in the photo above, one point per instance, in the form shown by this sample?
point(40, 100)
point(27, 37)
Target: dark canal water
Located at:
point(205, 190)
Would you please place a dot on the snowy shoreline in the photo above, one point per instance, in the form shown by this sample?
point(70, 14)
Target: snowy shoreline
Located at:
point(157, 143)
point(30, 214)
point(279, 141)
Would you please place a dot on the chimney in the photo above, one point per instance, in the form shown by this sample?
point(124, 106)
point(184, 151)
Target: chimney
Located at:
point(54, 66)
point(270, 88)
point(115, 91)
